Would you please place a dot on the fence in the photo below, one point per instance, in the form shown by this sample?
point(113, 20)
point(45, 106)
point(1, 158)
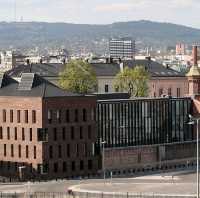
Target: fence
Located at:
point(127, 195)
point(89, 195)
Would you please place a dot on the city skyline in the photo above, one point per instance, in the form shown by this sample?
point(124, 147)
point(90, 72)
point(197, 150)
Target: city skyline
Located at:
point(101, 11)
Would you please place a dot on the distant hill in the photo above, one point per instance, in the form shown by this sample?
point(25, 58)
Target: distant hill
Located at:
point(92, 37)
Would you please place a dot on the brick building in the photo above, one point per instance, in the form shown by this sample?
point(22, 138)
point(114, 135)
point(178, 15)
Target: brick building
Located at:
point(45, 131)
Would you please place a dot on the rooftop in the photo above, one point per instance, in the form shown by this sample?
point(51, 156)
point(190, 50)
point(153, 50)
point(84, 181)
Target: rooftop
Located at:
point(102, 69)
point(31, 85)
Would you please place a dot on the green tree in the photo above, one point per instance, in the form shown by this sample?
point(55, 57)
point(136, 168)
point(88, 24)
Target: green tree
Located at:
point(79, 77)
point(133, 80)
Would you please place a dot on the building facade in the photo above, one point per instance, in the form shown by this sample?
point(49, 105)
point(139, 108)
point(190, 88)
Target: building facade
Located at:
point(123, 48)
point(46, 132)
point(124, 123)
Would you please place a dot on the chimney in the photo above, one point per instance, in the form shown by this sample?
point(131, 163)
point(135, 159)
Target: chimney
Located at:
point(194, 54)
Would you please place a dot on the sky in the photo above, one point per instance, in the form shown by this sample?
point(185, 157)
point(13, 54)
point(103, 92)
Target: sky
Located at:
point(185, 12)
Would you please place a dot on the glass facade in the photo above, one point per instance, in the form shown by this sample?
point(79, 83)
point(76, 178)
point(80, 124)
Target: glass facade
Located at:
point(123, 123)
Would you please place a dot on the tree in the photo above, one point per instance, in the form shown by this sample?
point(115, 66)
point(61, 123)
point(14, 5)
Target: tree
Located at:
point(133, 80)
point(79, 77)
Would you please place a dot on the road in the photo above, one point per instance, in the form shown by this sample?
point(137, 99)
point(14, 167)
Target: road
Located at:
point(176, 182)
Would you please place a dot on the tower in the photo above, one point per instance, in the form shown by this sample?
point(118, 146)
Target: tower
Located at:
point(194, 75)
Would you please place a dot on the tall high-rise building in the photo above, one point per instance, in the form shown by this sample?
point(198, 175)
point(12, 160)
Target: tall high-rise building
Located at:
point(123, 48)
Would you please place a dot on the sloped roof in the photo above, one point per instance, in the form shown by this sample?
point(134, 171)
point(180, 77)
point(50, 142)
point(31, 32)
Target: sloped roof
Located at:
point(194, 71)
point(102, 69)
point(39, 88)
point(155, 69)
point(40, 69)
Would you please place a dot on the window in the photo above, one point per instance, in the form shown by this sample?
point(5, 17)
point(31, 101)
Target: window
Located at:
point(19, 150)
point(85, 149)
point(12, 150)
point(33, 116)
point(1, 133)
point(64, 166)
point(89, 164)
point(5, 152)
point(42, 135)
point(169, 91)
point(11, 116)
point(50, 152)
point(4, 115)
point(106, 88)
point(8, 165)
point(67, 116)
point(81, 165)
point(16, 166)
point(76, 115)
point(73, 167)
point(63, 133)
point(160, 92)
point(84, 115)
point(89, 132)
point(72, 132)
point(93, 114)
point(59, 151)
point(15, 133)
point(35, 152)
point(81, 132)
point(27, 152)
point(178, 92)
point(50, 114)
point(55, 134)
point(18, 116)
point(58, 115)
point(77, 150)
point(68, 150)
point(31, 134)
point(43, 168)
point(8, 133)
point(26, 116)
point(55, 168)
point(23, 134)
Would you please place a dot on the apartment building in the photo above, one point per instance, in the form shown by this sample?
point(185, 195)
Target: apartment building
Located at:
point(45, 132)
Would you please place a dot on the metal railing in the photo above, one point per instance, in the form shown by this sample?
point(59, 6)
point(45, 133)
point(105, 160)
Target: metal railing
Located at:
point(89, 195)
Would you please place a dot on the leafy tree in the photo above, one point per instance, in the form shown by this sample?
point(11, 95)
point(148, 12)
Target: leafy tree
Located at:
point(79, 77)
point(133, 80)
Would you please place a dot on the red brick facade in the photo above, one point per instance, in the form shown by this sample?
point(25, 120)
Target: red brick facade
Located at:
point(51, 146)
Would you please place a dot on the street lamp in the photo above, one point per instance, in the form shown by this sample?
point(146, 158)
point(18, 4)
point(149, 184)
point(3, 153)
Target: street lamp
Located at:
point(103, 157)
point(192, 121)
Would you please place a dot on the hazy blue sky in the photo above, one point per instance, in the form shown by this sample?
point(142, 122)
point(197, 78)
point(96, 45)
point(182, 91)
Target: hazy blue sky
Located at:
point(102, 11)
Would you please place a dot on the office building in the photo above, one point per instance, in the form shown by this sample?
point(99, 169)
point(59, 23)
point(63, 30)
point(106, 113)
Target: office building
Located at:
point(123, 48)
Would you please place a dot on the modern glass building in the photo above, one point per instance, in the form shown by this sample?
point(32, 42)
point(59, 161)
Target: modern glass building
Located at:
point(123, 123)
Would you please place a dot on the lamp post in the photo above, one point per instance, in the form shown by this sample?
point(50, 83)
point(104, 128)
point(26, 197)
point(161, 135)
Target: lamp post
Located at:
point(103, 158)
point(192, 122)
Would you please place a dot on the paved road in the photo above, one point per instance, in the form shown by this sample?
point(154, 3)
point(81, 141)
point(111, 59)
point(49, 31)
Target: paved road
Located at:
point(176, 182)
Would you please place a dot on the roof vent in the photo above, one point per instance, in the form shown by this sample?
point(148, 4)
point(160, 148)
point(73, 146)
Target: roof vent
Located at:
point(26, 82)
